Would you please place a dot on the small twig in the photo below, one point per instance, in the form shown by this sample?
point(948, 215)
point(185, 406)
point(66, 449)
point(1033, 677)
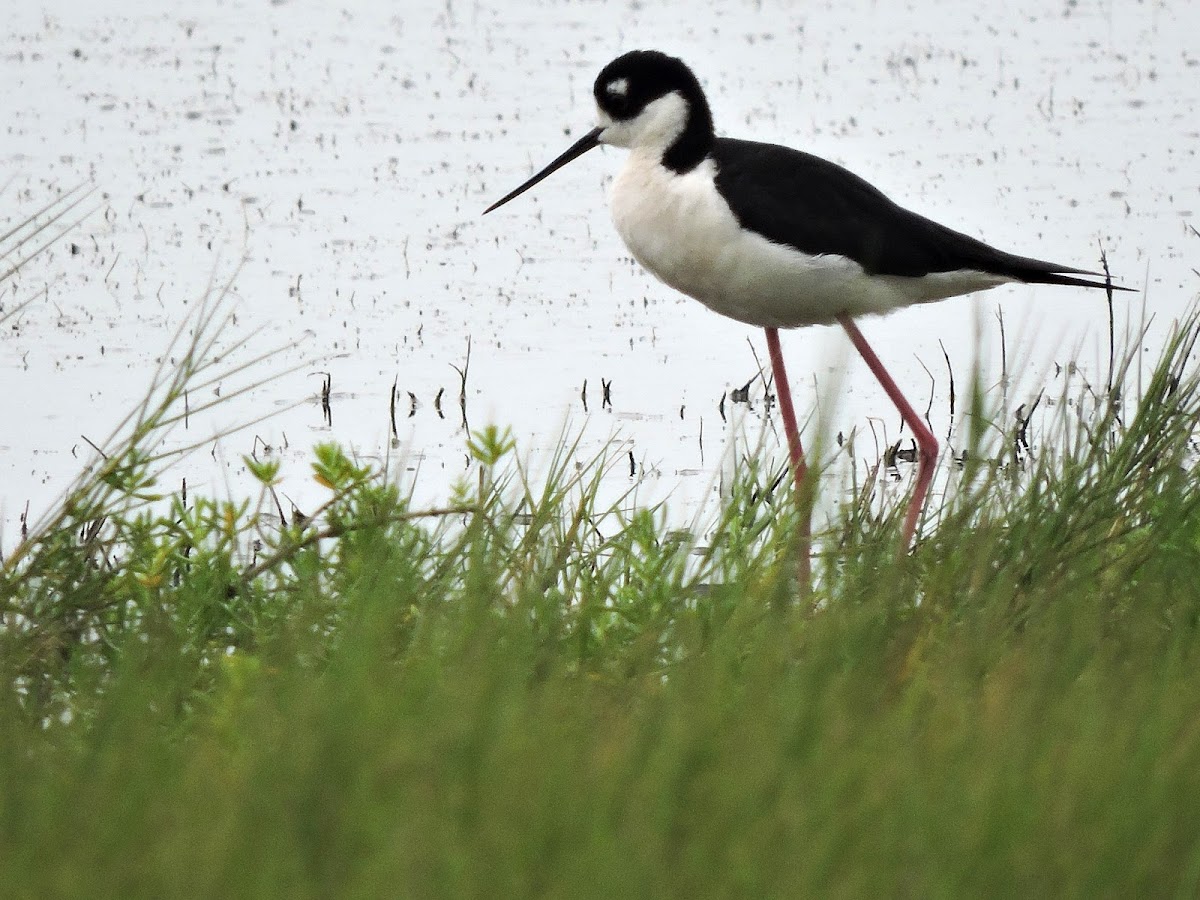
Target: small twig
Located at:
point(462, 387)
point(760, 374)
point(950, 370)
point(1021, 438)
point(932, 390)
point(278, 505)
point(1112, 339)
point(93, 446)
point(326, 392)
point(392, 408)
point(1003, 350)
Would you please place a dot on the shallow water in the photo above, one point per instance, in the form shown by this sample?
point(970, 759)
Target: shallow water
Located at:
point(347, 154)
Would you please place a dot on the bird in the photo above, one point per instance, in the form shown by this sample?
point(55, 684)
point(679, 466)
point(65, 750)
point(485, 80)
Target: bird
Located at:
point(776, 237)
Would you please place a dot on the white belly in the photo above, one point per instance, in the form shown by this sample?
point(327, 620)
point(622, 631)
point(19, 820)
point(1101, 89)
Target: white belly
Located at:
point(679, 228)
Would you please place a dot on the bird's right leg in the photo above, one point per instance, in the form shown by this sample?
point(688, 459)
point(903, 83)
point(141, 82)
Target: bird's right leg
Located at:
point(927, 445)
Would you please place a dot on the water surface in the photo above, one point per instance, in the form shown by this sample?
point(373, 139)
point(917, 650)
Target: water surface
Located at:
point(346, 154)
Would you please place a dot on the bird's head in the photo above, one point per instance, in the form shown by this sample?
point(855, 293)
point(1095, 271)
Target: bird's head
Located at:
point(645, 101)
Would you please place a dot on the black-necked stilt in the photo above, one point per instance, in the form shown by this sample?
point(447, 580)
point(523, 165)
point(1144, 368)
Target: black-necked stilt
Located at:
point(775, 237)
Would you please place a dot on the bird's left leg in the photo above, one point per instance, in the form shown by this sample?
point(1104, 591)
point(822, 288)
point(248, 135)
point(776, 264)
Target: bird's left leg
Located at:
point(795, 453)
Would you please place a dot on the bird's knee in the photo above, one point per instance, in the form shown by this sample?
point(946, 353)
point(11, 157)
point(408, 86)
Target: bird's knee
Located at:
point(928, 450)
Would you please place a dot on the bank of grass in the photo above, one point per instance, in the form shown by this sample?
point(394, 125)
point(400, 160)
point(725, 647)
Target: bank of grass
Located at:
point(522, 694)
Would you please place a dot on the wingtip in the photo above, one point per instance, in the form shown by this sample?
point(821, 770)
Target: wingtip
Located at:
point(1066, 277)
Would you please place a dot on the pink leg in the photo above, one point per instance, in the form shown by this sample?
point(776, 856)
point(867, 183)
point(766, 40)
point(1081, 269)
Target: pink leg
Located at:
point(795, 451)
point(784, 392)
point(927, 445)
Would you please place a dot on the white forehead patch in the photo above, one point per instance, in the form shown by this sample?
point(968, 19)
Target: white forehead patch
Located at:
point(618, 87)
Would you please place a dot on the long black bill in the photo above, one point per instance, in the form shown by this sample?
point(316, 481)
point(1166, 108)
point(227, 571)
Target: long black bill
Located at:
point(580, 147)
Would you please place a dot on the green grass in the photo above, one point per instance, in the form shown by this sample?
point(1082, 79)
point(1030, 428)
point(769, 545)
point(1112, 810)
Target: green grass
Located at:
point(525, 694)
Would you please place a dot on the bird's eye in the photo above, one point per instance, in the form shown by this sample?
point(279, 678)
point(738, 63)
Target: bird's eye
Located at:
point(615, 99)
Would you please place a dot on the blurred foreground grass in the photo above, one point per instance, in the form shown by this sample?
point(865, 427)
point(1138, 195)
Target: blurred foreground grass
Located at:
point(522, 694)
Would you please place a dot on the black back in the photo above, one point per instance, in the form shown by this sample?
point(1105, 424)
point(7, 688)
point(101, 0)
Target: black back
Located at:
point(817, 207)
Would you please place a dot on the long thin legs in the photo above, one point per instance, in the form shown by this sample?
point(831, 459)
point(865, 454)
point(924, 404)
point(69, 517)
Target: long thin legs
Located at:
point(795, 451)
point(784, 392)
point(927, 445)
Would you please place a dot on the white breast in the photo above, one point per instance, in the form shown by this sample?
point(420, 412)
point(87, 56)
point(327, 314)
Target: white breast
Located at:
point(680, 228)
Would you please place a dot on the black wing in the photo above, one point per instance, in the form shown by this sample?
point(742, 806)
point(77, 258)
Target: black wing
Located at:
point(818, 207)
